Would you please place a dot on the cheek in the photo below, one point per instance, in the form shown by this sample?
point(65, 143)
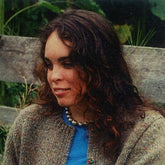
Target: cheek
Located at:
point(79, 85)
point(82, 91)
point(82, 82)
point(48, 77)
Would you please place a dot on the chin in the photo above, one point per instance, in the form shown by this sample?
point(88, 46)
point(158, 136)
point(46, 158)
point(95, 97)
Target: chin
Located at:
point(64, 104)
point(67, 102)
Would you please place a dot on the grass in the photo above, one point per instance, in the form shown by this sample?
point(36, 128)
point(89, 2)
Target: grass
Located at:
point(27, 96)
point(1, 16)
point(141, 38)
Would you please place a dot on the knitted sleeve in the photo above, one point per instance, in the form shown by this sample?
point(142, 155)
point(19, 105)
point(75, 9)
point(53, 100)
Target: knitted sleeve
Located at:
point(10, 157)
point(13, 142)
point(150, 147)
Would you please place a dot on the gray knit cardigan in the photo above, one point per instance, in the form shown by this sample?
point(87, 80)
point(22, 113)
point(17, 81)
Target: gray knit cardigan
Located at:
point(36, 139)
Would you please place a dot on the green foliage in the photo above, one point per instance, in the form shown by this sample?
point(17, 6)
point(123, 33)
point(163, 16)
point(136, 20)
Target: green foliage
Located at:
point(3, 135)
point(1, 16)
point(140, 37)
point(18, 12)
point(27, 95)
point(7, 96)
point(34, 15)
point(89, 5)
point(158, 8)
point(16, 94)
point(49, 6)
point(124, 32)
point(134, 36)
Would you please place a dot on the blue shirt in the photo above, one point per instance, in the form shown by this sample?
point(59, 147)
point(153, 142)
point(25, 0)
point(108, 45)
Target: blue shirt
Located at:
point(79, 146)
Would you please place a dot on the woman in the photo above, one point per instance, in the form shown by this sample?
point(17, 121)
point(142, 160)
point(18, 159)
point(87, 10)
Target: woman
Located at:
point(89, 111)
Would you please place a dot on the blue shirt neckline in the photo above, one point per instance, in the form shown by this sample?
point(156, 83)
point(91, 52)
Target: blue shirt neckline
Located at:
point(79, 145)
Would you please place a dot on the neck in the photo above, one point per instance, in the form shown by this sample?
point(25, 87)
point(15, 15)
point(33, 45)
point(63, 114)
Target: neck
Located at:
point(81, 113)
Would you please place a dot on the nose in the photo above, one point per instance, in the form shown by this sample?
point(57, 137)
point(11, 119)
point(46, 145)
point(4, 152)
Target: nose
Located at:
point(56, 74)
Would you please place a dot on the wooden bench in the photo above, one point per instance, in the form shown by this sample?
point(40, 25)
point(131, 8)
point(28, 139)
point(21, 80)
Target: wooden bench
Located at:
point(18, 56)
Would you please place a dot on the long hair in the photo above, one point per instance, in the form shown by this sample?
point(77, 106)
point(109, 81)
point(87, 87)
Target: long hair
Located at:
point(96, 51)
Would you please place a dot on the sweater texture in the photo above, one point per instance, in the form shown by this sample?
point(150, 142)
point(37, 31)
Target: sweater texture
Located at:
point(36, 139)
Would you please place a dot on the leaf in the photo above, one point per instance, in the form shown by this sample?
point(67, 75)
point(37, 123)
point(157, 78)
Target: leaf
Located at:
point(89, 5)
point(2, 17)
point(124, 32)
point(158, 8)
point(49, 6)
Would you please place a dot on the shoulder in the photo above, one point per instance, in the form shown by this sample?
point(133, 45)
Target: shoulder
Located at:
point(33, 115)
point(25, 115)
point(151, 116)
point(32, 111)
point(35, 111)
point(30, 119)
point(153, 122)
point(146, 142)
point(152, 119)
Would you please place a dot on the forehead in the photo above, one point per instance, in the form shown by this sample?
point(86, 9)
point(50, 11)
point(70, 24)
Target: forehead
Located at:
point(55, 47)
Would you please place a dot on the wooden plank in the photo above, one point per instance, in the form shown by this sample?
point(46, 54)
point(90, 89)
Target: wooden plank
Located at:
point(18, 55)
point(8, 115)
point(147, 65)
point(17, 58)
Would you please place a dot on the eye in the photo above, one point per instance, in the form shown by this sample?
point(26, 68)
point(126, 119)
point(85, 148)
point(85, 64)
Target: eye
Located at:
point(67, 64)
point(48, 64)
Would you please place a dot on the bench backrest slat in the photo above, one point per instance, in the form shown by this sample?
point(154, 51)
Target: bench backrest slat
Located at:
point(18, 57)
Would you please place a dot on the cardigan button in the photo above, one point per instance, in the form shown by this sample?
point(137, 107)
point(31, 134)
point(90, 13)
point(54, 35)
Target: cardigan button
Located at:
point(90, 160)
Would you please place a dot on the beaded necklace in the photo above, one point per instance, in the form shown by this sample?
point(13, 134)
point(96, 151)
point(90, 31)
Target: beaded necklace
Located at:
point(70, 119)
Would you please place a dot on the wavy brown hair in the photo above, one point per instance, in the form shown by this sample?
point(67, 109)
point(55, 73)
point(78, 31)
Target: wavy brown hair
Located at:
point(96, 50)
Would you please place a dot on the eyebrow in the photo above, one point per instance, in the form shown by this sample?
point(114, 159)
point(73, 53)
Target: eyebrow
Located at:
point(61, 59)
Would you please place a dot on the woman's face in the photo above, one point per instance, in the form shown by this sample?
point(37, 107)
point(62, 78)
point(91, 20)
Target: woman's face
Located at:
point(62, 76)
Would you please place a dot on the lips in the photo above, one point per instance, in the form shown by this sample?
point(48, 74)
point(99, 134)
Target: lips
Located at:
point(60, 91)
